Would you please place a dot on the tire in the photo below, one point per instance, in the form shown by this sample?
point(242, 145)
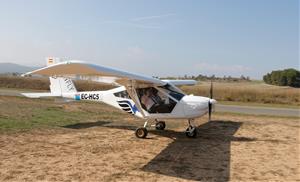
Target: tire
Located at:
point(141, 132)
point(192, 134)
point(161, 125)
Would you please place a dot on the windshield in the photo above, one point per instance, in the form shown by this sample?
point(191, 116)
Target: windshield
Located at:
point(155, 101)
point(172, 92)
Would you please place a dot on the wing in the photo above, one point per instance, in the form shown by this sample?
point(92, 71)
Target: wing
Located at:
point(83, 70)
point(181, 82)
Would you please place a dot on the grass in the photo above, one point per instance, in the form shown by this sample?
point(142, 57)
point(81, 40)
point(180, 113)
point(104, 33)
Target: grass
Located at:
point(259, 104)
point(248, 92)
point(230, 114)
point(39, 117)
point(19, 113)
point(23, 114)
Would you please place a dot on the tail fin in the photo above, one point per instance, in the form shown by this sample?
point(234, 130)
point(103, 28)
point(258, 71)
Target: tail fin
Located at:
point(58, 86)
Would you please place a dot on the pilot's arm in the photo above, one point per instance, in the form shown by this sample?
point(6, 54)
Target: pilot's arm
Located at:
point(163, 97)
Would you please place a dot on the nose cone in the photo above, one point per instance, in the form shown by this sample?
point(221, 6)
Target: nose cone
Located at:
point(196, 106)
point(212, 101)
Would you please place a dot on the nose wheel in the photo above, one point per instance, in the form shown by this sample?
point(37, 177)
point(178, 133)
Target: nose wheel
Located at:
point(191, 131)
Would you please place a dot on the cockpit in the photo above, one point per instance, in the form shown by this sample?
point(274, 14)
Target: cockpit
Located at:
point(158, 99)
point(161, 99)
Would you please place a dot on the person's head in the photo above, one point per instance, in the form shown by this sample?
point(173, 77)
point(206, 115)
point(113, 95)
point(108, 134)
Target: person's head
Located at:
point(148, 92)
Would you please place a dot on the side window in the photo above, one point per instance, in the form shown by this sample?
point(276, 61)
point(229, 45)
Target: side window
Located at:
point(154, 101)
point(122, 94)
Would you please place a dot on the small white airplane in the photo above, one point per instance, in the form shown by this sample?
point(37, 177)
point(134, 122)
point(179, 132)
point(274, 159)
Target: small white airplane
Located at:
point(144, 97)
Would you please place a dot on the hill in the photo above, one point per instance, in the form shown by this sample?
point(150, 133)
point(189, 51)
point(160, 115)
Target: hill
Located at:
point(14, 68)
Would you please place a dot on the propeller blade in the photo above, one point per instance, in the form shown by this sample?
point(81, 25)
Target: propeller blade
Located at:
point(209, 102)
point(209, 110)
point(211, 90)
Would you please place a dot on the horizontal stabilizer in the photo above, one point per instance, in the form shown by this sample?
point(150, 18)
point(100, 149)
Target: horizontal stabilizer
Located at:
point(38, 95)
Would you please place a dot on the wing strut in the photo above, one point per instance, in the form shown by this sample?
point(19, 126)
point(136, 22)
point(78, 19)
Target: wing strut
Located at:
point(130, 87)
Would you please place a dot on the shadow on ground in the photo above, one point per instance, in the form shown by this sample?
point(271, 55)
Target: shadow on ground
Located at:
point(87, 125)
point(206, 157)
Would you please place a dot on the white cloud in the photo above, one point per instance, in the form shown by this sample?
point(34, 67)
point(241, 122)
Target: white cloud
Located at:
point(141, 22)
point(142, 26)
point(152, 17)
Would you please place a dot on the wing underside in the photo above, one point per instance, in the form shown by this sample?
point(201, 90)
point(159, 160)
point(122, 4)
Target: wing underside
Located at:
point(82, 70)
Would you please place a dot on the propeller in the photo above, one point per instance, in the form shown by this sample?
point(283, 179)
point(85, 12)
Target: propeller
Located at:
point(210, 100)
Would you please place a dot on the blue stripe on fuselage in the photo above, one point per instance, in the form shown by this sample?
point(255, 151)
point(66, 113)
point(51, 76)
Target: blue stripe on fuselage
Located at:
point(133, 108)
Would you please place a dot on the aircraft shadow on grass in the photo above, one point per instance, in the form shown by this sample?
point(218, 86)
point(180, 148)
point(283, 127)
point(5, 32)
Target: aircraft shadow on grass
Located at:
point(206, 157)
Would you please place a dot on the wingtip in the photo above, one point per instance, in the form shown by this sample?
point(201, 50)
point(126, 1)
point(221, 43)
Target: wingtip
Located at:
point(52, 65)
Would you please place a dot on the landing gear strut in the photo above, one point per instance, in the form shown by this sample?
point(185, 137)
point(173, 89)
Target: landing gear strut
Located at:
point(191, 131)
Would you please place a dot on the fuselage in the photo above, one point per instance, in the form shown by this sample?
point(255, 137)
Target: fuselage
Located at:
point(172, 107)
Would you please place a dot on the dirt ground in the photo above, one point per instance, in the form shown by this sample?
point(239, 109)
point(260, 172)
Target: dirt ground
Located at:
point(232, 147)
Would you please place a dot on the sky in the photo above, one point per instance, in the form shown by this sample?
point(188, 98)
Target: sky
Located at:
point(155, 38)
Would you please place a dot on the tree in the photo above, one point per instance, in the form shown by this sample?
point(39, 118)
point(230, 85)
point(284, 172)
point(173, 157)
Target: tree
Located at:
point(287, 77)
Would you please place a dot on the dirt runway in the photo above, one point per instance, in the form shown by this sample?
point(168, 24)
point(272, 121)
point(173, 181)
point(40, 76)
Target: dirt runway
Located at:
point(237, 148)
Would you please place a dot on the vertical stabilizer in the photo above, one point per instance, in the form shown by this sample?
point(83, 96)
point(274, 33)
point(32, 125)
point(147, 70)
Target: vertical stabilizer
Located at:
point(60, 85)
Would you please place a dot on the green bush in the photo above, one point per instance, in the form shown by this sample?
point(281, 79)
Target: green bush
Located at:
point(288, 77)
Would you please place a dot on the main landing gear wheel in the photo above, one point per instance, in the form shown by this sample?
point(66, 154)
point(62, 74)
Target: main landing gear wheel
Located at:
point(191, 132)
point(141, 132)
point(160, 125)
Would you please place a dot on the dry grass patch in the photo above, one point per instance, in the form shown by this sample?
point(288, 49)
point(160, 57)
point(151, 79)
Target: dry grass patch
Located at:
point(43, 84)
point(248, 92)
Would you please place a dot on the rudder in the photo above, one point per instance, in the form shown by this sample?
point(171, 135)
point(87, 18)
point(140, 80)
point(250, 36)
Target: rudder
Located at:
point(59, 85)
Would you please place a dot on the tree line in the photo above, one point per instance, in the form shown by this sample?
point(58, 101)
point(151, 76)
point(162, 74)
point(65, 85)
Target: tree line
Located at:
point(201, 77)
point(288, 77)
